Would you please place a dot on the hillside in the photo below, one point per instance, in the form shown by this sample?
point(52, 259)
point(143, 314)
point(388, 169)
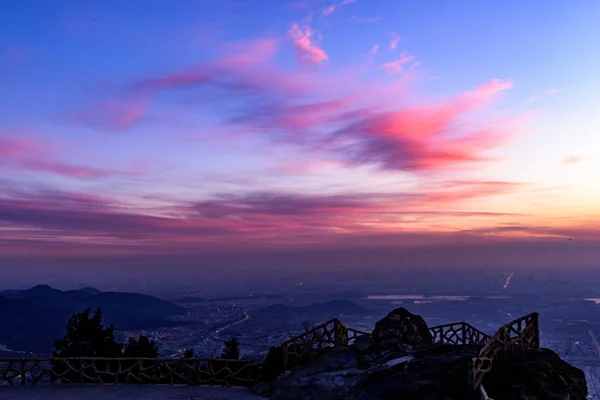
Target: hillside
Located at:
point(32, 319)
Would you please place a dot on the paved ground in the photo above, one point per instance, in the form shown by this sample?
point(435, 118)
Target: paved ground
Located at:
point(122, 392)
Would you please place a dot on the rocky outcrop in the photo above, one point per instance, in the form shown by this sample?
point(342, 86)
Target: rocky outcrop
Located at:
point(399, 361)
point(408, 374)
point(401, 327)
point(534, 374)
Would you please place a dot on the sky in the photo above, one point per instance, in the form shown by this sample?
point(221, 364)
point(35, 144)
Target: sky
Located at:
point(227, 126)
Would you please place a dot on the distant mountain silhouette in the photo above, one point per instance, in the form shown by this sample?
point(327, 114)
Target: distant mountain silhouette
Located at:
point(332, 308)
point(31, 319)
point(89, 290)
point(39, 290)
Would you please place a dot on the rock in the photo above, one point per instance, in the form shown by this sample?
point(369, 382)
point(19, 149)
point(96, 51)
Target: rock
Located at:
point(331, 359)
point(534, 374)
point(363, 343)
point(323, 386)
point(262, 389)
point(401, 327)
point(299, 354)
point(438, 372)
point(273, 365)
point(393, 375)
point(423, 375)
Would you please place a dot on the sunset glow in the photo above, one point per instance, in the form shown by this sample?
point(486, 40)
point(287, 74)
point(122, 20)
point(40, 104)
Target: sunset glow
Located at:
point(197, 126)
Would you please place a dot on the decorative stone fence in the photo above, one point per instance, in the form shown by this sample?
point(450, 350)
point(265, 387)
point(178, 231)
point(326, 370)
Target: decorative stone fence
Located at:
point(522, 332)
point(307, 344)
point(190, 371)
point(458, 333)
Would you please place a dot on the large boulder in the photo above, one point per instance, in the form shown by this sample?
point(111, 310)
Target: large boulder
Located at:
point(534, 374)
point(401, 326)
point(326, 377)
point(343, 373)
point(436, 373)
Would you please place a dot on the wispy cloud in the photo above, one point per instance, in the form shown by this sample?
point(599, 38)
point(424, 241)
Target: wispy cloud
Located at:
point(551, 92)
point(307, 166)
point(333, 7)
point(397, 66)
point(413, 139)
point(307, 51)
point(54, 217)
point(374, 50)
point(365, 20)
point(110, 115)
point(394, 42)
point(329, 10)
point(243, 70)
point(37, 156)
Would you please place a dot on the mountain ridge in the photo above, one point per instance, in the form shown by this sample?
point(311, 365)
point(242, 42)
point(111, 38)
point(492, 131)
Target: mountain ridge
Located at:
point(33, 318)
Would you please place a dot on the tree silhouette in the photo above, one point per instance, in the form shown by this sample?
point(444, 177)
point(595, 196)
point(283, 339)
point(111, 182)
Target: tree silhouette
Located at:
point(232, 349)
point(141, 347)
point(189, 353)
point(85, 337)
point(273, 365)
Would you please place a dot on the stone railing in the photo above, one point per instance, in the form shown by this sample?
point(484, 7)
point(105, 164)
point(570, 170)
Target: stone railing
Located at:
point(330, 333)
point(190, 371)
point(522, 332)
point(458, 333)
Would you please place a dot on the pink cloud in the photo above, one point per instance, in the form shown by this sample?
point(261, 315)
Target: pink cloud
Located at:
point(542, 93)
point(374, 50)
point(41, 156)
point(10, 148)
point(307, 166)
point(417, 138)
point(265, 219)
point(359, 126)
point(395, 67)
point(110, 115)
point(329, 10)
point(482, 94)
point(242, 70)
point(394, 42)
point(66, 169)
point(307, 52)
